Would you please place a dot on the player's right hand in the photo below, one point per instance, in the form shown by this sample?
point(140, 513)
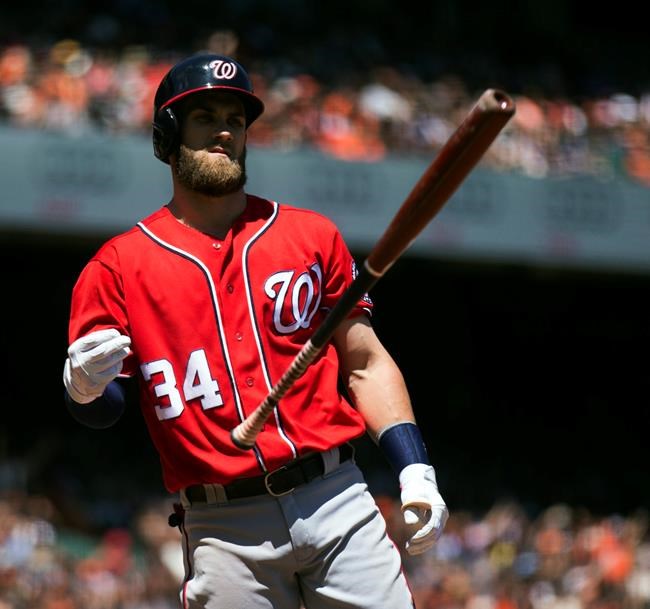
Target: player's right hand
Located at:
point(424, 509)
point(93, 362)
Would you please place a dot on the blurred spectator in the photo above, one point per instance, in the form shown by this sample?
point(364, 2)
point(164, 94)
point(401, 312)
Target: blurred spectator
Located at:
point(347, 133)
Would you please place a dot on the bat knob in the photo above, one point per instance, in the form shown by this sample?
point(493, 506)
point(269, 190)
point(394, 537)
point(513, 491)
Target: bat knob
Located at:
point(239, 443)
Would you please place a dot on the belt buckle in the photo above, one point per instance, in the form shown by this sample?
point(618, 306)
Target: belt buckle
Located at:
point(267, 483)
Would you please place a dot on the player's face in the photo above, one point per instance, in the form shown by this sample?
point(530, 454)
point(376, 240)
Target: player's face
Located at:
point(212, 156)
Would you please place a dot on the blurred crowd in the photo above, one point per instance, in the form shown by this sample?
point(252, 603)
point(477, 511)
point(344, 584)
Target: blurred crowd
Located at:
point(559, 558)
point(45, 563)
point(364, 115)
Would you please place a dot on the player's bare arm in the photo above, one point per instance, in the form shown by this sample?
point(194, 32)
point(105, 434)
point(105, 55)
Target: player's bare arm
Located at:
point(371, 376)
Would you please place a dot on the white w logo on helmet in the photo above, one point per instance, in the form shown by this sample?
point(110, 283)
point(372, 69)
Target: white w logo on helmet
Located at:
point(223, 70)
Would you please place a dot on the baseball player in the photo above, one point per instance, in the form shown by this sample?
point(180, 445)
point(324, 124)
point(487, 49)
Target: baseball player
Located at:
point(201, 307)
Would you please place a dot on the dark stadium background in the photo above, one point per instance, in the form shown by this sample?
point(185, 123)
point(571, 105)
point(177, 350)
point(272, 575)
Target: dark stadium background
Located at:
point(528, 382)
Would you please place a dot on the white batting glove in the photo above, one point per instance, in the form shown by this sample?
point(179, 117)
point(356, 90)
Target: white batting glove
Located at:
point(422, 505)
point(93, 362)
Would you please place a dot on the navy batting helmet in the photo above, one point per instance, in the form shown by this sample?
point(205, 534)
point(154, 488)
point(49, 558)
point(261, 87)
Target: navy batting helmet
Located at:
point(197, 73)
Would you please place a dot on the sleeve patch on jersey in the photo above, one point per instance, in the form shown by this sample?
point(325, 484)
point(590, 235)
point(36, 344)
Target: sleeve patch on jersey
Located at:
point(355, 272)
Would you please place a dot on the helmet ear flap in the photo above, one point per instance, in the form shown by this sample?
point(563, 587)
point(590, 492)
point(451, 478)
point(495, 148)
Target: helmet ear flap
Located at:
point(166, 133)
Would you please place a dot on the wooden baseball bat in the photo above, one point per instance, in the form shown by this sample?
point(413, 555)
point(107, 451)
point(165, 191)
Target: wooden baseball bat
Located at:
point(455, 160)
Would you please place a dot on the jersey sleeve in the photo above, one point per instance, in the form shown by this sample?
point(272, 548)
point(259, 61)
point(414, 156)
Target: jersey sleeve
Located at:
point(98, 302)
point(342, 272)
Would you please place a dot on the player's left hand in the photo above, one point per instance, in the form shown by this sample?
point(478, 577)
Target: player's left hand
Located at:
point(93, 362)
point(422, 505)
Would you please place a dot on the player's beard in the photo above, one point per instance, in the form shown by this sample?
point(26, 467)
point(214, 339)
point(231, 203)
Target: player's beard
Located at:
point(210, 174)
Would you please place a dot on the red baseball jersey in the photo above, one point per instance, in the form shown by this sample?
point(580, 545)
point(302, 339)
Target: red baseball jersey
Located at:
point(214, 324)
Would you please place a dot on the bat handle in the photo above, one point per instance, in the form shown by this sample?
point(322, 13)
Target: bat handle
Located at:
point(244, 435)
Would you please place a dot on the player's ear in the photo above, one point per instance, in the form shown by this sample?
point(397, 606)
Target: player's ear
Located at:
point(165, 133)
point(173, 158)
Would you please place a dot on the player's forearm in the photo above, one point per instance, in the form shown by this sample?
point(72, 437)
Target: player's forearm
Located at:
point(380, 395)
point(373, 380)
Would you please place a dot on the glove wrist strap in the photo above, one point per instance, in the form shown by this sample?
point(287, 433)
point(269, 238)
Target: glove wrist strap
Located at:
point(402, 444)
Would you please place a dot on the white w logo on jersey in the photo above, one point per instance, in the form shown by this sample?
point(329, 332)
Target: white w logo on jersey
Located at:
point(300, 297)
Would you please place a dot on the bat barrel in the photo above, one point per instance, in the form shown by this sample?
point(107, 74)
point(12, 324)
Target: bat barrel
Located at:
point(456, 159)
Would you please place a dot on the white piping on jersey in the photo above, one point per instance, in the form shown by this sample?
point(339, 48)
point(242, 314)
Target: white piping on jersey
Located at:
point(215, 302)
point(256, 334)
